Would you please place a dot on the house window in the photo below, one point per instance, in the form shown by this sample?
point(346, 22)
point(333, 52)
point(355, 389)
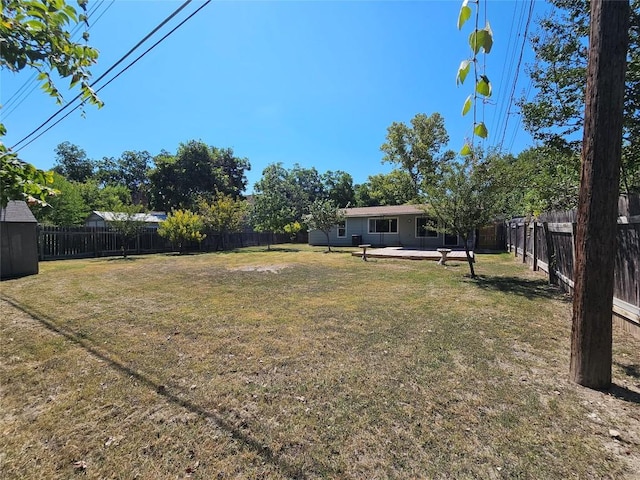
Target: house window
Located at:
point(342, 229)
point(422, 228)
point(450, 240)
point(383, 225)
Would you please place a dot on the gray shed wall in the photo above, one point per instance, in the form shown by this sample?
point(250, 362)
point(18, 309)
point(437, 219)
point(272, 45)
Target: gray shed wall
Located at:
point(18, 249)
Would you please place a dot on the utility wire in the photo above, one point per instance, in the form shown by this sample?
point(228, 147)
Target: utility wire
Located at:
point(513, 90)
point(122, 59)
point(116, 76)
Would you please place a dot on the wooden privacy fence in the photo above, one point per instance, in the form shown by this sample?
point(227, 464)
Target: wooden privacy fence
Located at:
point(56, 243)
point(548, 245)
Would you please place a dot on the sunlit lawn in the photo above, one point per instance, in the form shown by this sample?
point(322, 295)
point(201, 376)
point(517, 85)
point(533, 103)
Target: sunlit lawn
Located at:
point(293, 363)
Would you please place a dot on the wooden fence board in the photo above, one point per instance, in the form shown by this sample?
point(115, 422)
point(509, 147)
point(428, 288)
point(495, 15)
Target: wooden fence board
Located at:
point(551, 248)
point(55, 243)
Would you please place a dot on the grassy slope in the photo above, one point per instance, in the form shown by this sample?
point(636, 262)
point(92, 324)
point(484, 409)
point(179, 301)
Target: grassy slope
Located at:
point(328, 367)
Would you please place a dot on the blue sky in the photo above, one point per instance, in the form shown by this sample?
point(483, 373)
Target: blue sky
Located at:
point(309, 82)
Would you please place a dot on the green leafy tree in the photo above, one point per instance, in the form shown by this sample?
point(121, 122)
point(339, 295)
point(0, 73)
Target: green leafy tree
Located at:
point(35, 34)
point(196, 171)
point(66, 208)
point(417, 149)
point(131, 170)
point(182, 227)
point(323, 216)
point(555, 114)
point(128, 222)
point(393, 188)
point(462, 199)
point(274, 200)
point(109, 198)
point(292, 229)
point(72, 163)
point(223, 215)
point(338, 186)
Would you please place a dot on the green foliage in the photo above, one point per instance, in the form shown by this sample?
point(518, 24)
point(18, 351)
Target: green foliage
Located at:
point(131, 170)
point(338, 186)
point(276, 201)
point(72, 163)
point(323, 216)
point(196, 171)
point(66, 208)
point(22, 181)
point(128, 222)
point(182, 227)
point(223, 214)
point(35, 34)
point(479, 40)
point(555, 114)
point(293, 229)
point(464, 15)
point(417, 149)
point(393, 188)
point(462, 198)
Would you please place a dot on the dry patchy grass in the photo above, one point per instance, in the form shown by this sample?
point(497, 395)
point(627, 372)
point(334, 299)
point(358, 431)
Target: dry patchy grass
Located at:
point(297, 364)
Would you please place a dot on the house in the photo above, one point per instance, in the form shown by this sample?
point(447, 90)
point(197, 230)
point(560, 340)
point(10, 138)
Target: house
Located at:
point(18, 241)
point(391, 225)
point(101, 219)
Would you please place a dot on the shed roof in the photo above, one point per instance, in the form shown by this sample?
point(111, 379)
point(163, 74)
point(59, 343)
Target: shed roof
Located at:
point(151, 217)
point(384, 211)
point(17, 211)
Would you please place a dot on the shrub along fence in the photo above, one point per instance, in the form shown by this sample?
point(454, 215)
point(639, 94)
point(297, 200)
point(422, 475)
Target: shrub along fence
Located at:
point(548, 245)
point(56, 243)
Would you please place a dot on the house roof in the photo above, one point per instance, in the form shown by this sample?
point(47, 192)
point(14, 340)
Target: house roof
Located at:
point(17, 211)
point(384, 211)
point(151, 217)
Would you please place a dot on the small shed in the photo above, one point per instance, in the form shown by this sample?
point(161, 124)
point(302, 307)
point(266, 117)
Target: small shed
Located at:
point(102, 219)
point(18, 241)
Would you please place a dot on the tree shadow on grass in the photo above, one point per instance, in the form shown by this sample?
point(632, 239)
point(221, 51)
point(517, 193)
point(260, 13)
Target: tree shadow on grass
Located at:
point(254, 444)
point(521, 286)
point(629, 370)
point(623, 393)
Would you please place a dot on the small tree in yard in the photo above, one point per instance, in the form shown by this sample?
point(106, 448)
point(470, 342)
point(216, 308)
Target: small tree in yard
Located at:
point(128, 224)
point(223, 215)
point(182, 226)
point(293, 229)
point(324, 215)
point(271, 213)
point(462, 200)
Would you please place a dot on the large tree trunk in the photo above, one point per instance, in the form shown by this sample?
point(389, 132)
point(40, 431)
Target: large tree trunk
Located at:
point(591, 338)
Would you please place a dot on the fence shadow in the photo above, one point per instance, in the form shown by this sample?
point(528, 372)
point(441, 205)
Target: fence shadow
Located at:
point(520, 286)
point(289, 470)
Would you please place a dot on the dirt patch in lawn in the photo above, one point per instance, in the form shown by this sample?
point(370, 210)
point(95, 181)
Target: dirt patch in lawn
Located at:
point(277, 268)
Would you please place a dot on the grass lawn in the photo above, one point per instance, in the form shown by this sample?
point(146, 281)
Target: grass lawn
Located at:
point(293, 363)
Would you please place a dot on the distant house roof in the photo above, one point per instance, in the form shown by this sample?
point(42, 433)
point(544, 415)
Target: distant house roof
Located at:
point(17, 211)
point(151, 217)
point(384, 211)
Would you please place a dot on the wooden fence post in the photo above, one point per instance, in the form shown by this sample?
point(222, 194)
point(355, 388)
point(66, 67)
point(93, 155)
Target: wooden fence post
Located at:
point(535, 246)
point(550, 254)
point(524, 242)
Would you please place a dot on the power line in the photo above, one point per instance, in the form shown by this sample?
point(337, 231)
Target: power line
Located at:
point(507, 71)
point(122, 59)
point(113, 78)
point(513, 90)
